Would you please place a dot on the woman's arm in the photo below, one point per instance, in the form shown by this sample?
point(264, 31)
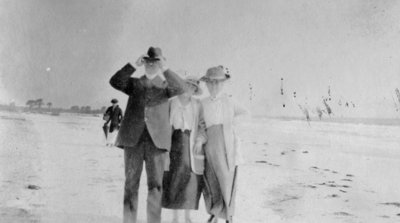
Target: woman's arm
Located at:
point(201, 127)
point(201, 137)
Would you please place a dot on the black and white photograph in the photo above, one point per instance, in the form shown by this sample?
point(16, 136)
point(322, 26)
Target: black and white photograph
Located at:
point(213, 111)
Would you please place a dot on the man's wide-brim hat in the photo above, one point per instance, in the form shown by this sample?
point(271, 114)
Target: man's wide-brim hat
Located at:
point(219, 73)
point(195, 82)
point(153, 54)
point(114, 101)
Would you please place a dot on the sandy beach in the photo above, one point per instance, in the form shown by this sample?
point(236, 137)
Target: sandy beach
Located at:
point(58, 169)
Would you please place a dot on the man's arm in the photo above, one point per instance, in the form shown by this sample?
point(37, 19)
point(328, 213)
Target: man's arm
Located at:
point(176, 85)
point(108, 111)
point(123, 81)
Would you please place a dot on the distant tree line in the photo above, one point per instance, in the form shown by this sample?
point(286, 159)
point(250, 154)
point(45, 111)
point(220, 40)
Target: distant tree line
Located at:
point(86, 109)
point(38, 105)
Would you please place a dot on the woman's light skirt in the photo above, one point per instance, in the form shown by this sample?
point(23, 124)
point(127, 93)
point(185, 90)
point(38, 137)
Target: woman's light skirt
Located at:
point(220, 183)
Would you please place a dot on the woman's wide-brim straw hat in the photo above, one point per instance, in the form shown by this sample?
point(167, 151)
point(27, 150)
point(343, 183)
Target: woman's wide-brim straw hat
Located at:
point(195, 82)
point(219, 73)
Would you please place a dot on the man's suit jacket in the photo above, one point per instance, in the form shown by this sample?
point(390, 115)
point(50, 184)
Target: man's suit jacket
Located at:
point(115, 117)
point(147, 106)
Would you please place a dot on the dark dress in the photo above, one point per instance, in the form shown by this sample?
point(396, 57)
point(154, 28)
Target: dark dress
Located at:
point(181, 187)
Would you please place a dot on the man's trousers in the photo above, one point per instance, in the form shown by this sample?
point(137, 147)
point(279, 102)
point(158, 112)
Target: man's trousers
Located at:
point(143, 151)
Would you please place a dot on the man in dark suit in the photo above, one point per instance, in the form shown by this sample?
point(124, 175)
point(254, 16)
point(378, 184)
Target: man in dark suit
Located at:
point(145, 133)
point(114, 114)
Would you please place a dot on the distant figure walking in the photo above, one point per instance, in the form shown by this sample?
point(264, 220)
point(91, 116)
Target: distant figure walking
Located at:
point(112, 116)
point(328, 108)
point(319, 111)
point(304, 109)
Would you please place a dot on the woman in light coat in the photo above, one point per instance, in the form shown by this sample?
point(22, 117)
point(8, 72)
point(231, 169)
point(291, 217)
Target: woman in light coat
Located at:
point(222, 149)
point(183, 182)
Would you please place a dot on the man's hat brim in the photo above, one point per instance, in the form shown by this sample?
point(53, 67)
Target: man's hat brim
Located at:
point(151, 58)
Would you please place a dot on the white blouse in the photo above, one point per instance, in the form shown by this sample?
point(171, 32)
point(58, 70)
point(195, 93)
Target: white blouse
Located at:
point(181, 115)
point(213, 112)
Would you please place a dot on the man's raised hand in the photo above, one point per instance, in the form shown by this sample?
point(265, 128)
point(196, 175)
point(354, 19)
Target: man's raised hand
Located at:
point(140, 61)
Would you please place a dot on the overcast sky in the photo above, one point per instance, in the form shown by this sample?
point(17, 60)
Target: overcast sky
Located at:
point(65, 51)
